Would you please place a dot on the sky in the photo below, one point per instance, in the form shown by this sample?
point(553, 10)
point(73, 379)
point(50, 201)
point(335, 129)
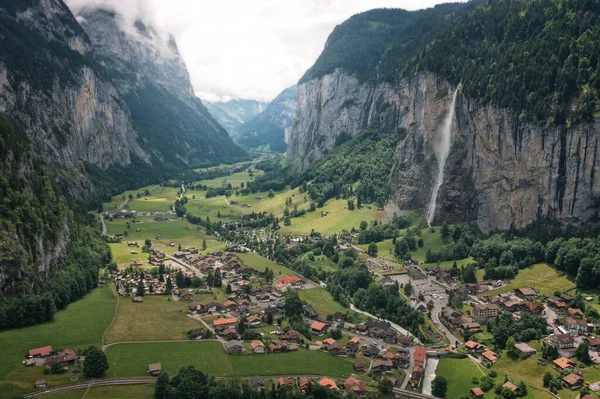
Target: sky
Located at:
point(246, 49)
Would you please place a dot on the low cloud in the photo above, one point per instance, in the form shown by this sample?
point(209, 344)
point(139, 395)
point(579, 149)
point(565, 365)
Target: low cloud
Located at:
point(242, 49)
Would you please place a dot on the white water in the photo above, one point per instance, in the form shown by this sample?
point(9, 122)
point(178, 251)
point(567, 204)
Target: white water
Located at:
point(429, 374)
point(441, 153)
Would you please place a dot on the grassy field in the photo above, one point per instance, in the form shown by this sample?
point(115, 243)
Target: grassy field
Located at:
point(461, 372)
point(322, 301)
point(156, 318)
point(80, 325)
point(122, 392)
point(321, 262)
point(542, 277)
point(235, 179)
point(258, 263)
point(132, 360)
point(212, 207)
point(160, 199)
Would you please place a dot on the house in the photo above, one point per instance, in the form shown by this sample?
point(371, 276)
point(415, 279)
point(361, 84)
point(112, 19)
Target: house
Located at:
point(352, 385)
point(230, 305)
point(291, 335)
point(234, 347)
point(40, 352)
point(416, 376)
point(404, 341)
point(254, 321)
point(198, 333)
point(510, 385)
point(572, 381)
point(303, 384)
point(41, 383)
point(193, 306)
point(371, 351)
point(535, 308)
point(381, 366)
point(273, 311)
point(257, 347)
point(473, 346)
point(224, 322)
point(154, 369)
point(471, 328)
point(336, 350)
point(525, 349)
point(309, 312)
point(526, 293)
point(284, 382)
point(477, 393)
point(489, 356)
point(339, 316)
point(230, 333)
point(188, 296)
point(289, 280)
point(574, 312)
point(484, 312)
point(563, 364)
point(328, 341)
point(359, 367)
point(318, 328)
point(328, 383)
point(420, 354)
point(354, 340)
point(594, 343)
point(64, 357)
point(565, 344)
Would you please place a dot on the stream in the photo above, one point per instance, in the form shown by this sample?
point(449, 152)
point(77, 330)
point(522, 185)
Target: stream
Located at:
point(429, 374)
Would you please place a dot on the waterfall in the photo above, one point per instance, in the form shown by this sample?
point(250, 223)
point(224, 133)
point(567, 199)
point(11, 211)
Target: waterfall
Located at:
point(441, 153)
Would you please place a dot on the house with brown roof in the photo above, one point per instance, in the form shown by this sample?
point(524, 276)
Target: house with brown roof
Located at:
point(572, 381)
point(352, 385)
point(510, 385)
point(526, 293)
point(284, 382)
point(473, 347)
point(477, 393)
point(482, 312)
point(303, 383)
point(575, 313)
point(154, 369)
point(291, 335)
point(318, 328)
point(380, 366)
point(564, 364)
point(64, 357)
point(489, 356)
point(230, 305)
point(593, 342)
point(359, 367)
point(254, 321)
point(40, 352)
point(224, 322)
point(230, 333)
point(234, 347)
point(416, 376)
point(524, 349)
point(41, 383)
point(328, 341)
point(328, 383)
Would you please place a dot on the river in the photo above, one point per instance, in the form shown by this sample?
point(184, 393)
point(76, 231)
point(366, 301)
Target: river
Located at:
point(429, 374)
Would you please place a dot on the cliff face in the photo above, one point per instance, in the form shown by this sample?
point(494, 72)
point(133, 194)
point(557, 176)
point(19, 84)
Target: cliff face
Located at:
point(69, 110)
point(233, 114)
point(270, 129)
point(500, 172)
point(152, 78)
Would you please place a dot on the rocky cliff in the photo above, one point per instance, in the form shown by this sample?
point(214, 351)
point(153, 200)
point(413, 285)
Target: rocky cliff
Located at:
point(269, 130)
point(500, 172)
point(152, 78)
point(234, 113)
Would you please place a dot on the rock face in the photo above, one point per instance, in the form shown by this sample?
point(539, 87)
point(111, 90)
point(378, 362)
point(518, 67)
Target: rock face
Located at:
point(233, 114)
point(270, 129)
point(152, 78)
point(70, 112)
point(500, 173)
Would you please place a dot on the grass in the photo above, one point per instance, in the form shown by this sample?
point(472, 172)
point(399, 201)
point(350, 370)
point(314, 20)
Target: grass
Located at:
point(132, 360)
point(160, 199)
point(145, 391)
point(155, 319)
point(235, 179)
point(321, 262)
point(461, 372)
point(528, 369)
point(322, 301)
point(80, 325)
point(542, 277)
point(258, 263)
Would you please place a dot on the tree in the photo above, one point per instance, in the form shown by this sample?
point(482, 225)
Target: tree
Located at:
point(583, 354)
point(141, 289)
point(204, 244)
point(147, 243)
point(408, 289)
point(372, 250)
point(241, 327)
point(271, 193)
point(385, 388)
point(364, 225)
point(169, 286)
point(95, 363)
point(439, 386)
point(522, 389)
point(162, 386)
point(547, 378)
point(293, 303)
point(510, 347)
point(445, 231)
point(350, 205)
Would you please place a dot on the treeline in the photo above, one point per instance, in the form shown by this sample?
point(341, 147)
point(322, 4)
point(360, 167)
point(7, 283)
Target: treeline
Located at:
point(539, 59)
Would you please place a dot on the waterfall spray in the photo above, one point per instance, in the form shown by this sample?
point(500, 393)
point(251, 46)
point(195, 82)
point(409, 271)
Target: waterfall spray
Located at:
point(441, 153)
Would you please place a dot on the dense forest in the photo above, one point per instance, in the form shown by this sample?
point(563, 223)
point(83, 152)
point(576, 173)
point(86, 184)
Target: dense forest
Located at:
point(34, 219)
point(376, 44)
point(538, 58)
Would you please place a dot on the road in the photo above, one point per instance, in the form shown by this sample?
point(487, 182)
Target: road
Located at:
point(92, 383)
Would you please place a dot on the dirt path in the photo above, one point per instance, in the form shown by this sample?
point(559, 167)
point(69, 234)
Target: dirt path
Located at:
point(113, 320)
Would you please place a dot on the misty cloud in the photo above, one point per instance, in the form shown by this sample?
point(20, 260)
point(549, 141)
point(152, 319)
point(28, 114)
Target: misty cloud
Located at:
point(243, 49)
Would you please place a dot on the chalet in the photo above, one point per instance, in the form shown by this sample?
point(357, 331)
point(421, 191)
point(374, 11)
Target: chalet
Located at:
point(289, 280)
point(273, 311)
point(224, 322)
point(309, 312)
point(471, 328)
point(291, 335)
point(234, 347)
point(565, 344)
point(213, 307)
point(472, 288)
point(328, 341)
point(154, 369)
point(41, 383)
point(230, 333)
point(572, 381)
point(484, 312)
point(477, 393)
point(257, 347)
point(159, 237)
point(371, 351)
point(188, 296)
point(416, 376)
point(359, 367)
point(336, 350)
point(473, 347)
point(404, 341)
point(489, 356)
point(277, 346)
point(594, 343)
point(133, 244)
point(526, 293)
point(230, 305)
point(352, 385)
point(254, 321)
point(40, 352)
point(524, 349)
point(563, 364)
point(381, 366)
point(284, 382)
point(67, 356)
point(252, 334)
point(387, 281)
point(420, 356)
point(339, 316)
point(303, 384)
point(575, 313)
point(510, 385)
point(318, 328)
point(328, 383)
point(193, 306)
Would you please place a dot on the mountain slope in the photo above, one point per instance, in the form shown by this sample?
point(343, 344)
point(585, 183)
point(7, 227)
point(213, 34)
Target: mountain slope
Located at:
point(155, 85)
point(505, 169)
point(269, 129)
point(233, 114)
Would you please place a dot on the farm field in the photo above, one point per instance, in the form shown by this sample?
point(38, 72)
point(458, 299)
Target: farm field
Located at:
point(155, 319)
point(461, 372)
point(132, 360)
point(80, 325)
point(235, 179)
point(258, 263)
point(145, 391)
point(541, 276)
point(160, 199)
point(211, 207)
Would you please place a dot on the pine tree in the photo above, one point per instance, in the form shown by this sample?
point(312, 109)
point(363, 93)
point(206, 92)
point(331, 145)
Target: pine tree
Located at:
point(204, 244)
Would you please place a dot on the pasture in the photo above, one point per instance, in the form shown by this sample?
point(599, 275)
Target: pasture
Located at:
point(541, 276)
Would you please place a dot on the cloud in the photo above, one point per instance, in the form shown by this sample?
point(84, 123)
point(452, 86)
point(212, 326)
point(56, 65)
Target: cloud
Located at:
point(245, 49)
